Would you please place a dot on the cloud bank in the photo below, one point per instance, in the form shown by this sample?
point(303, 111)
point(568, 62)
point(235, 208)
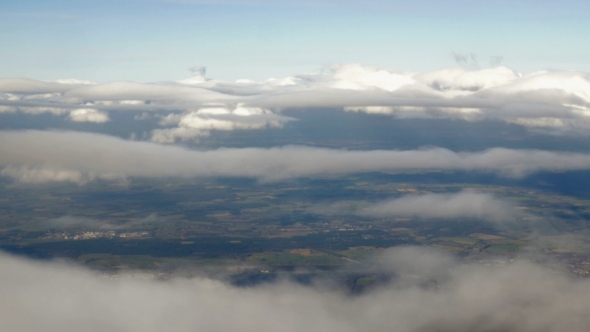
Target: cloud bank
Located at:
point(558, 101)
point(41, 156)
point(518, 297)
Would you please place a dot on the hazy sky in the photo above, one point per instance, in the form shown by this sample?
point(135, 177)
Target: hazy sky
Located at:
point(152, 40)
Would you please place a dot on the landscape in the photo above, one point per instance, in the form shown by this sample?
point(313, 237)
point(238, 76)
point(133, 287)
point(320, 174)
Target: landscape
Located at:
point(375, 190)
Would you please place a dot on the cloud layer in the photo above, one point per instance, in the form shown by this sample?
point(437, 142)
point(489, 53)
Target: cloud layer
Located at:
point(518, 297)
point(558, 101)
point(39, 156)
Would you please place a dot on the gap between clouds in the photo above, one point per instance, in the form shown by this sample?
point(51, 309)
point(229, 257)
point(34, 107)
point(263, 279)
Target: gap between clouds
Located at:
point(44, 156)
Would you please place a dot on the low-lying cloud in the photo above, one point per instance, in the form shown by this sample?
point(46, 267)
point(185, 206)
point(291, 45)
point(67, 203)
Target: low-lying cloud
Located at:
point(462, 205)
point(39, 156)
point(517, 297)
point(444, 206)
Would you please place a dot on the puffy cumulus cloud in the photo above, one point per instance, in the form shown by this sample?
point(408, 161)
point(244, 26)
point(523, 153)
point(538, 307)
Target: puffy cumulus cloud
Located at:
point(574, 84)
point(444, 206)
point(89, 115)
point(556, 100)
point(101, 156)
point(198, 123)
point(358, 77)
point(517, 297)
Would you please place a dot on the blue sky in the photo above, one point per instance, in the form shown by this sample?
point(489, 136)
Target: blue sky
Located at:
point(151, 40)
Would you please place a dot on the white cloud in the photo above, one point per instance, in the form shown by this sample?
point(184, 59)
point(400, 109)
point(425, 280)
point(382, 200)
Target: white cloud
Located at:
point(75, 81)
point(537, 100)
point(100, 155)
point(468, 80)
point(194, 124)
point(166, 93)
point(358, 77)
point(28, 86)
point(88, 115)
point(444, 206)
point(518, 297)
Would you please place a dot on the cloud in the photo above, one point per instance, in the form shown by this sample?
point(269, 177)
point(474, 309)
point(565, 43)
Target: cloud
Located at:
point(517, 297)
point(199, 72)
point(75, 81)
point(101, 156)
point(447, 206)
point(457, 79)
point(462, 205)
point(466, 60)
point(558, 101)
point(357, 77)
point(198, 123)
point(27, 175)
point(89, 115)
point(27, 86)
point(33, 175)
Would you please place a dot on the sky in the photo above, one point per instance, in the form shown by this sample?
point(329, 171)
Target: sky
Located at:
point(158, 40)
